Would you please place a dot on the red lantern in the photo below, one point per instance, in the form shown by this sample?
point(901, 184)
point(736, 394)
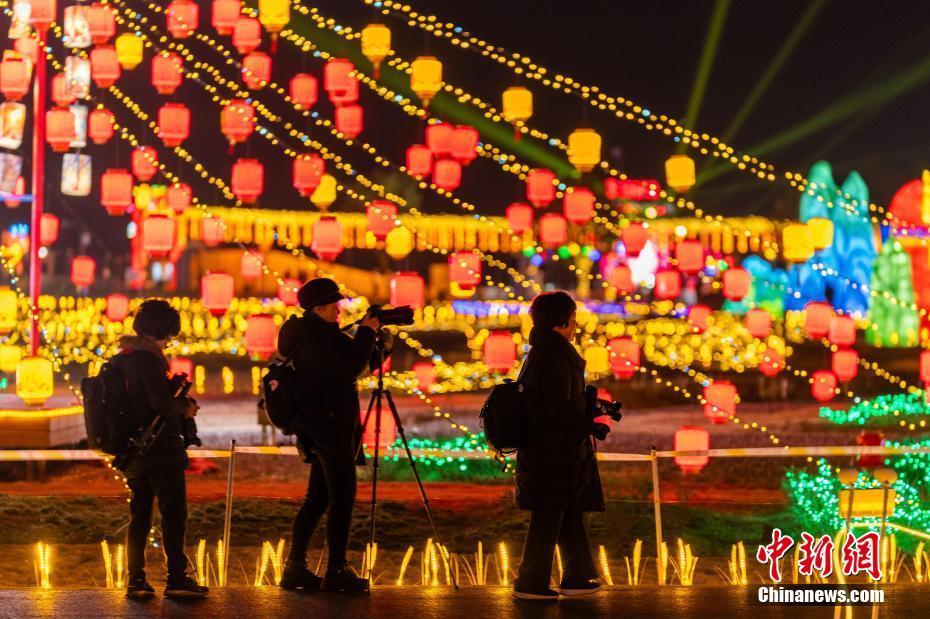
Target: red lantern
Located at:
point(634, 239)
point(842, 331)
point(736, 283)
point(349, 120)
point(817, 319)
point(447, 174)
point(100, 23)
point(692, 438)
point(690, 256)
point(216, 290)
point(116, 190)
point(439, 139)
point(248, 179)
point(426, 375)
point(180, 365)
point(237, 121)
point(59, 128)
point(925, 366)
point(540, 187)
point(407, 289)
point(308, 170)
point(500, 353)
point(48, 229)
point(381, 215)
point(104, 66)
point(224, 16)
point(42, 13)
point(183, 18)
point(327, 238)
point(624, 357)
point(419, 160)
point(287, 291)
point(117, 307)
point(167, 72)
point(179, 196)
point(260, 335)
point(388, 429)
point(668, 285)
point(823, 385)
point(464, 144)
point(13, 200)
point(158, 235)
point(520, 217)
point(870, 438)
point(250, 266)
point(14, 77)
point(100, 126)
point(697, 317)
point(553, 230)
point(174, 123)
point(144, 162)
point(720, 401)
point(256, 70)
point(61, 94)
point(338, 80)
point(247, 34)
point(758, 323)
point(845, 364)
point(621, 278)
point(465, 269)
point(82, 270)
point(303, 90)
point(772, 362)
point(212, 231)
point(578, 205)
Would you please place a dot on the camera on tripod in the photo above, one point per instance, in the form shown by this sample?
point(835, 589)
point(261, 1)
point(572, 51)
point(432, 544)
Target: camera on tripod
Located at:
point(401, 315)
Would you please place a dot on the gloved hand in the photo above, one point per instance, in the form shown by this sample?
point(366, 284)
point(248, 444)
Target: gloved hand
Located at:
point(600, 430)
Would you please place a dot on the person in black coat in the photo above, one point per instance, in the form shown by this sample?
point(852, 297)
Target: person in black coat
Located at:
point(159, 472)
point(557, 477)
point(329, 364)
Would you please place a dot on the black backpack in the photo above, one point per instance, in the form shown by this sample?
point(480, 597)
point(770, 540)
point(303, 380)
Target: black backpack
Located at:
point(280, 394)
point(106, 409)
point(503, 415)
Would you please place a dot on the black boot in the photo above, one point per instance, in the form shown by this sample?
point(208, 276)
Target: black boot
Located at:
point(185, 587)
point(139, 589)
point(340, 578)
point(297, 576)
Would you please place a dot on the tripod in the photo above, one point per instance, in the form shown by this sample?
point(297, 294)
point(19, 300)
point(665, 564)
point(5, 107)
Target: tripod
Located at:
point(375, 404)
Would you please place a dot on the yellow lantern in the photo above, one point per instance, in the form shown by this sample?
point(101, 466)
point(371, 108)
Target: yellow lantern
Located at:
point(398, 243)
point(376, 45)
point(797, 243)
point(9, 357)
point(325, 193)
point(821, 232)
point(457, 292)
point(34, 382)
point(142, 196)
point(8, 307)
point(426, 77)
point(274, 15)
point(517, 104)
point(128, 50)
point(597, 359)
point(584, 149)
point(680, 173)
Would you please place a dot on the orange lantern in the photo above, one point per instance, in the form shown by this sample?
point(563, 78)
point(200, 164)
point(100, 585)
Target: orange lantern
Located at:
point(845, 364)
point(338, 80)
point(578, 205)
point(925, 366)
point(180, 365)
point(104, 66)
point(621, 278)
point(419, 160)
point(250, 266)
point(167, 72)
point(116, 190)
point(668, 285)
point(720, 401)
point(100, 126)
point(62, 96)
point(553, 230)
point(349, 120)
point(772, 362)
point(287, 291)
point(117, 307)
point(823, 385)
point(690, 256)
point(174, 123)
point(624, 357)
point(540, 187)
point(464, 144)
point(14, 77)
point(447, 174)
point(260, 335)
point(634, 239)
point(248, 179)
point(520, 217)
point(817, 319)
point(237, 121)
point(500, 353)
point(256, 70)
point(212, 231)
point(327, 238)
point(758, 323)
point(439, 139)
point(247, 34)
point(697, 317)
point(388, 429)
point(736, 283)
point(144, 162)
point(308, 172)
point(224, 15)
point(425, 372)
point(158, 235)
point(303, 90)
point(216, 290)
point(183, 18)
point(407, 289)
point(692, 438)
point(465, 269)
point(82, 270)
point(42, 13)
point(100, 23)
point(28, 48)
point(179, 196)
point(48, 229)
point(381, 215)
point(842, 331)
point(13, 200)
point(59, 128)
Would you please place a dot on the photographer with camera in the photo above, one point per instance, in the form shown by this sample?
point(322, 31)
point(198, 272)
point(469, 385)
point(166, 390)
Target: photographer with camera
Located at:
point(557, 477)
point(155, 460)
point(328, 363)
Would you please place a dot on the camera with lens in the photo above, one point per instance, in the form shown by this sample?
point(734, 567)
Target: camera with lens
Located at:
point(598, 407)
point(181, 386)
point(397, 316)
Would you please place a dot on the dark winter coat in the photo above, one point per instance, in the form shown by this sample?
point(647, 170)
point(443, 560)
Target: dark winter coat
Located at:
point(328, 362)
point(150, 394)
point(557, 469)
